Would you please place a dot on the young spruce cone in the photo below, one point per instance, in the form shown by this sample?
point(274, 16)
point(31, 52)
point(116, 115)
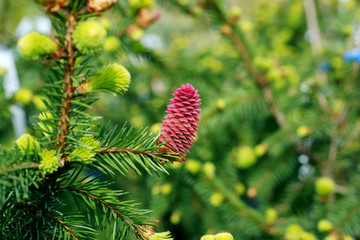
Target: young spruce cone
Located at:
point(180, 124)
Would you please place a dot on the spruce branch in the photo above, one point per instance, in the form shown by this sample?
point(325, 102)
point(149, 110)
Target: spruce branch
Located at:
point(261, 81)
point(66, 227)
point(18, 167)
point(68, 90)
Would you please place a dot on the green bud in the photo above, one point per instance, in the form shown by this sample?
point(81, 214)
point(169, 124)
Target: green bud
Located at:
point(271, 215)
point(216, 199)
point(3, 71)
point(235, 11)
point(112, 43)
point(208, 237)
point(161, 236)
point(209, 169)
point(111, 78)
point(23, 96)
point(192, 166)
point(324, 186)
point(28, 144)
point(38, 101)
point(166, 189)
point(86, 151)
point(50, 162)
point(245, 157)
point(224, 236)
point(89, 36)
point(33, 45)
point(324, 225)
point(175, 217)
point(137, 34)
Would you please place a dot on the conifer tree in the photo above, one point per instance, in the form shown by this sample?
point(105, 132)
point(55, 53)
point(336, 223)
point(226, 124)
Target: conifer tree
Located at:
point(42, 177)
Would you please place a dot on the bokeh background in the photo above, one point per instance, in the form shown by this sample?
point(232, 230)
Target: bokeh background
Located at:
point(280, 108)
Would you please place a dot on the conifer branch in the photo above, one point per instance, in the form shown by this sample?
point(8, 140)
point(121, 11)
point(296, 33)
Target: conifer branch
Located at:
point(160, 153)
point(68, 91)
point(19, 166)
point(67, 228)
point(135, 227)
point(261, 81)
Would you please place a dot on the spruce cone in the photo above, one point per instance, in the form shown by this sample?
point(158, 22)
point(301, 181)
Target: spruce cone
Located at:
point(180, 124)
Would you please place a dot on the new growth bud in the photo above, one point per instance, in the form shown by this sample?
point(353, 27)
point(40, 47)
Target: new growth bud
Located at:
point(89, 36)
point(224, 236)
point(111, 78)
point(34, 45)
point(50, 162)
point(28, 144)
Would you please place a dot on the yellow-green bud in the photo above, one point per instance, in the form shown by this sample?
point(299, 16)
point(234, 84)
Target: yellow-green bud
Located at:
point(111, 78)
point(156, 190)
point(261, 150)
point(330, 237)
point(240, 188)
point(293, 231)
point(324, 186)
point(192, 166)
point(23, 96)
point(175, 217)
point(216, 199)
point(224, 236)
point(271, 215)
point(3, 71)
point(39, 102)
point(347, 237)
point(137, 34)
point(50, 162)
point(304, 131)
point(112, 43)
point(161, 236)
point(209, 169)
point(308, 236)
point(86, 152)
point(155, 127)
point(166, 189)
point(220, 104)
point(34, 45)
point(324, 225)
point(245, 157)
point(137, 4)
point(235, 11)
point(208, 237)
point(27, 144)
point(89, 36)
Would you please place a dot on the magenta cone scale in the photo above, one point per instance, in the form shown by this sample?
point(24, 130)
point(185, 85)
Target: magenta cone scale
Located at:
point(180, 124)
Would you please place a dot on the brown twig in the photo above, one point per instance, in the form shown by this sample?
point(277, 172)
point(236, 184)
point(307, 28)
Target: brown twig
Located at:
point(20, 165)
point(68, 90)
point(67, 228)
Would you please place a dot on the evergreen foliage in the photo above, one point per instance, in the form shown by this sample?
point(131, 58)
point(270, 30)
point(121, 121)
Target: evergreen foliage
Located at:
point(276, 155)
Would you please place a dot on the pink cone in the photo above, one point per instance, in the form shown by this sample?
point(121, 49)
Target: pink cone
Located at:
point(180, 124)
